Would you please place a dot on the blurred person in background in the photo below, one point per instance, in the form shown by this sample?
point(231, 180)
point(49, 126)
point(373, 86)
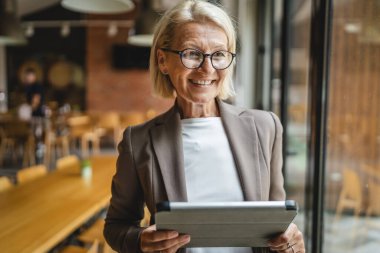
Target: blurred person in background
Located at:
point(33, 92)
point(202, 149)
point(35, 98)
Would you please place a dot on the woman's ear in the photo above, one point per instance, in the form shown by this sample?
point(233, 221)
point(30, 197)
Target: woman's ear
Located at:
point(162, 61)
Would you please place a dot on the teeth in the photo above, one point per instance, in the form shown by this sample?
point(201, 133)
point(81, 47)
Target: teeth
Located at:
point(202, 82)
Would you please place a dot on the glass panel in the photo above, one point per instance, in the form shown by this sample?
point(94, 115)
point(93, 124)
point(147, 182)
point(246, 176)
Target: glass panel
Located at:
point(352, 206)
point(296, 151)
point(297, 101)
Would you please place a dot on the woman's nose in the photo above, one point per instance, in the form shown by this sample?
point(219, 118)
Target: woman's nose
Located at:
point(206, 65)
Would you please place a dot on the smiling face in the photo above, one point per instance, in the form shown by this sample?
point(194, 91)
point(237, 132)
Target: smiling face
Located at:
point(201, 85)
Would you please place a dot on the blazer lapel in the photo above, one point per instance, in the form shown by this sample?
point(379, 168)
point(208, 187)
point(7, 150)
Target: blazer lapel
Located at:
point(242, 135)
point(167, 144)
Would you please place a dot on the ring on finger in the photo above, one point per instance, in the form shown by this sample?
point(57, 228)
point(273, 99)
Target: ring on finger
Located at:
point(290, 246)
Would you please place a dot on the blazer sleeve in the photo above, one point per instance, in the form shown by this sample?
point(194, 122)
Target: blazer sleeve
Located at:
point(277, 191)
point(122, 230)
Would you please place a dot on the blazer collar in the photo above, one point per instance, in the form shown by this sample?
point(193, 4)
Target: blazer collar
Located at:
point(242, 136)
point(241, 133)
point(167, 144)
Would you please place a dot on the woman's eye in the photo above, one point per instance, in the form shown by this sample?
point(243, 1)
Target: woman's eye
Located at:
point(220, 54)
point(194, 54)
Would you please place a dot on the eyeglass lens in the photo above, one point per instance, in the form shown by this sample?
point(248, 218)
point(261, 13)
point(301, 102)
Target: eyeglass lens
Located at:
point(192, 59)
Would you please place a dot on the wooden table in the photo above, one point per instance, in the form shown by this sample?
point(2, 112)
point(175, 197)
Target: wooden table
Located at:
point(34, 217)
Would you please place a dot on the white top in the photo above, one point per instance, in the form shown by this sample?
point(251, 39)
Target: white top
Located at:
point(210, 169)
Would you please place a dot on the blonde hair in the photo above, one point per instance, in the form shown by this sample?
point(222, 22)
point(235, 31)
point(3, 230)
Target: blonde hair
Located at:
point(185, 12)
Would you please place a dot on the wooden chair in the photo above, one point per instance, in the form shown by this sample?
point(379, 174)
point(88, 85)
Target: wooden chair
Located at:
point(31, 173)
point(94, 248)
point(5, 184)
point(82, 129)
point(108, 249)
point(16, 133)
point(373, 198)
point(132, 118)
point(69, 161)
point(150, 114)
point(351, 193)
point(146, 220)
point(108, 123)
point(6, 143)
point(95, 232)
point(55, 146)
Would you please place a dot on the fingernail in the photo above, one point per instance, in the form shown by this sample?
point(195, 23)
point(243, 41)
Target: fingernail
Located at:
point(186, 238)
point(173, 234)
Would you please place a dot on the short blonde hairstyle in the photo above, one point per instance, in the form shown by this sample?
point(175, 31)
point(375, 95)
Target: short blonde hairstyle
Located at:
point(185, 12)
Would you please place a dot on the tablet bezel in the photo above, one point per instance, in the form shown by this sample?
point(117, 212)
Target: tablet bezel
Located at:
point(190, 216)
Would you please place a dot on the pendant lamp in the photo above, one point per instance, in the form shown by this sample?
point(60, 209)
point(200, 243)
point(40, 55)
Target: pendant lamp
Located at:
point(98, 6)
point(142, 34)
point(11, 32)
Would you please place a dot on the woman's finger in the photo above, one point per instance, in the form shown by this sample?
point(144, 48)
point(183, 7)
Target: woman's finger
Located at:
point(150, 236)
point(291, 241)
point(168, 245)
point(152, 240)
point(282, 240)
point(157, 236)
point(175, 248)
point(285, 248)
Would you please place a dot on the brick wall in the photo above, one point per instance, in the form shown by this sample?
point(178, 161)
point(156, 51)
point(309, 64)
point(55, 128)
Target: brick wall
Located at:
point(117, 90)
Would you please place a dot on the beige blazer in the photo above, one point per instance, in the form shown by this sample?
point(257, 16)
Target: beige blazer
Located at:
point(150, 167)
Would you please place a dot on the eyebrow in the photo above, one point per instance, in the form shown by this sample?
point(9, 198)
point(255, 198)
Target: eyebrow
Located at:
point(214, 47)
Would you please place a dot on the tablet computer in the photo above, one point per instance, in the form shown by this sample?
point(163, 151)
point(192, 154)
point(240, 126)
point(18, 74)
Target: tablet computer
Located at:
point(227, 224)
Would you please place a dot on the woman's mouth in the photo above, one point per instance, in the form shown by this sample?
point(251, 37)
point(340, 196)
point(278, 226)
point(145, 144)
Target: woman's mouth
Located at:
point(202, 82)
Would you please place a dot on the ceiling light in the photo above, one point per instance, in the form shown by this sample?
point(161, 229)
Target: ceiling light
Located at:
point(142, 40)
point(98, 6)
point(112, 29)
point(29, 31)
point(65, 29)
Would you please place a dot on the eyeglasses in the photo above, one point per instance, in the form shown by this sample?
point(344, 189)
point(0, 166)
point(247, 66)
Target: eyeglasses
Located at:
point(193, 58)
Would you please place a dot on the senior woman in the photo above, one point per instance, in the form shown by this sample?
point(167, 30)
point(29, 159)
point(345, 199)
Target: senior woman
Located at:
point(202, 149)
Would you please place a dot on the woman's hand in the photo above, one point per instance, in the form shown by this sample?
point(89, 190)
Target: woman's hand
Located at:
point(152, 240)
point(291, 241)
